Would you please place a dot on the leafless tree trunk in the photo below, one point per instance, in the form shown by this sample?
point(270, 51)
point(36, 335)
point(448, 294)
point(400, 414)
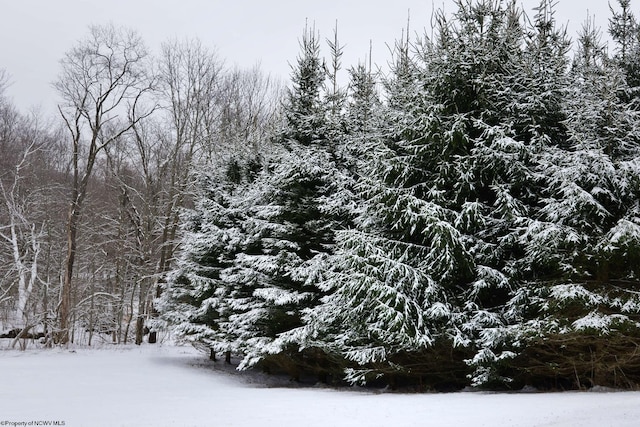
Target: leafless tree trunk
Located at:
point(22, 222)
point(23, 236)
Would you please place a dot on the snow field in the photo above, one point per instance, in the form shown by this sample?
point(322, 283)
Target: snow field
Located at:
point(177, 386)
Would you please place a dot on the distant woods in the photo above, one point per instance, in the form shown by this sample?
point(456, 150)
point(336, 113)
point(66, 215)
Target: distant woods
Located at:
point(91, 199)
point(467, 216)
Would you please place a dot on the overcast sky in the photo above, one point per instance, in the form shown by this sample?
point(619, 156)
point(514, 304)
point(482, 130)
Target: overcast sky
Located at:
point(34, 34)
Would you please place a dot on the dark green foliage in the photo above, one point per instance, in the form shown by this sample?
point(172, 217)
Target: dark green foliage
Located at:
point(625, 32)
point(304, 111)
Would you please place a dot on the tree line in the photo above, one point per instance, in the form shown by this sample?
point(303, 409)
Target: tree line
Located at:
point(91, 199)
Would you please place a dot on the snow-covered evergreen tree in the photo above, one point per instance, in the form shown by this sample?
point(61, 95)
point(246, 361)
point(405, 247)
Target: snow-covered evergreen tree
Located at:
point(305, 112)
point(291, 217)
point(197, 296)
point(422, 272)
point(531, 121)
point(364, 101)
point(576, 294)
point(625, 32)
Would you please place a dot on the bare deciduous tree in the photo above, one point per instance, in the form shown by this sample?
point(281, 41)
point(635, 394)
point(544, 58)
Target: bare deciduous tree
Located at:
point(103, 79)
point(27, 188)
point(21, 234)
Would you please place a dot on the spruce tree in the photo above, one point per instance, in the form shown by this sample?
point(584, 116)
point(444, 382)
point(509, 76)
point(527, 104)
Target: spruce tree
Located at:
point(476, 224)
point(574, 300)
point(305, 112)
point(530, 103)
point(625, 32)
point(197, 294)
point(421, 273)
point(291, 217)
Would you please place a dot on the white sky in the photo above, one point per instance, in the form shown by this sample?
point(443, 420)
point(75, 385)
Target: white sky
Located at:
point(34, 34)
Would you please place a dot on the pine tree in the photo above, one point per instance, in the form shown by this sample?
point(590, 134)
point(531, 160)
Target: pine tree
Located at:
point(530, 99)
point(291, 217)
point(563, 304)
point(414, 278)
point(623, 28)
point(573, 293)
point(364, 100)
point(305, 112)
point(197, 295)
point(625, 32)
point(478, 226)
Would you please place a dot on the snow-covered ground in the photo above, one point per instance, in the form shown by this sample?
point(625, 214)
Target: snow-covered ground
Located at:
point(176, 386)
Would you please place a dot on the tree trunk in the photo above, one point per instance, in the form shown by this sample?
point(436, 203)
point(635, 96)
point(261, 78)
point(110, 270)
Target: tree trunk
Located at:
point(65, 297)
point(91, 308)
point(139, 329)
